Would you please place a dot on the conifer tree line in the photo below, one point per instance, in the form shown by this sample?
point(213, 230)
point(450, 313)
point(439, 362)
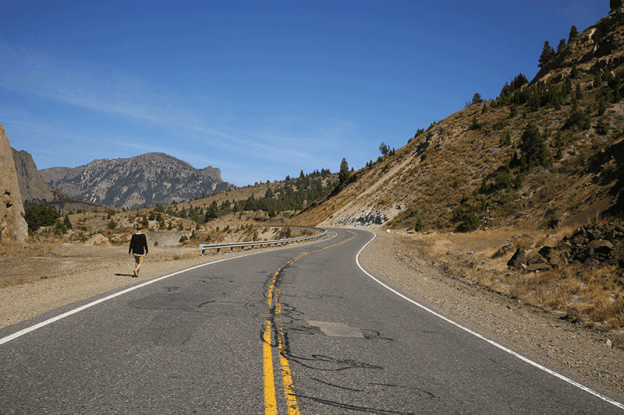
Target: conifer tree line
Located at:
point(293, 195)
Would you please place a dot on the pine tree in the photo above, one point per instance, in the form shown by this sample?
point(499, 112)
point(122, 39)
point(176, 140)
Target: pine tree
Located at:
point(67, 222)
point(615, 4)
point(573, 34)
point(344, 173)
point(547, 53)
point(579, 92)
point(598, 80)
point(533, 147)
point(602, 107)
point(384, 149)
point(514, 111)
point(562, 44)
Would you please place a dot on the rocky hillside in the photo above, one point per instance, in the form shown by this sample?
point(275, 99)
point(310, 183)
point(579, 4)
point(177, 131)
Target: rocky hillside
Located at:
point(543, 154)
point(148, 179)
point(12, 223)
point(34, 190)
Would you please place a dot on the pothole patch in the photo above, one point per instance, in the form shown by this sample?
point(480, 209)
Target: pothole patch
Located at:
point(337, 329)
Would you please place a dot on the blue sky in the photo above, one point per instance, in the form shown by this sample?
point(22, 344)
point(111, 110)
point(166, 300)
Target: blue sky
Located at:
point(259, 89)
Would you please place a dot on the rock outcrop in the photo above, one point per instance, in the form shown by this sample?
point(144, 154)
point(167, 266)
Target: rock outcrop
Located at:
point(31, 185)
point(590, 246)
point(34, 190)
point(130, 183)
point(12, 223)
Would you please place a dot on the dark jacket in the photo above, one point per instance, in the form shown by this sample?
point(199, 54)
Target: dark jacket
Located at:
point(138, 244)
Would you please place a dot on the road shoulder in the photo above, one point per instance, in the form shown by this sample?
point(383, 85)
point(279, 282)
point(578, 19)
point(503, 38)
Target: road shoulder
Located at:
point(578, 353)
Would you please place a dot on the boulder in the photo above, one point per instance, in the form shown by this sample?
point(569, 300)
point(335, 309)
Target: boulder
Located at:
point(555, 262)
point(600, 246)
point(98, 240)
point(12, 223)
point(547, 251)
point(519, 258)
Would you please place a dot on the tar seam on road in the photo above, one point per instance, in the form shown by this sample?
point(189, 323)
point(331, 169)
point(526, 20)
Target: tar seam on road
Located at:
point(474, 333)
point(101, 300)
point(274, 325)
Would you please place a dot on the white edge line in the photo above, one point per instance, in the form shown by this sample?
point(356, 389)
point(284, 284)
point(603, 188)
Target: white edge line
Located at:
point(474, 333)
point(127, 290)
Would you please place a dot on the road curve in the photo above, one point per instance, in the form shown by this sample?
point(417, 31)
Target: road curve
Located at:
point(297, 330)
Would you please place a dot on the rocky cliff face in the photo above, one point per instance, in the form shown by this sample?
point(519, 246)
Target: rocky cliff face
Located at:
point(34, 190)
point(147, 179)
point(12, 223)
point(32, 186)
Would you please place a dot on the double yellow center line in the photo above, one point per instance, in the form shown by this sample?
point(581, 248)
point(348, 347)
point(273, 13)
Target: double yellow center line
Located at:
point(274, 328)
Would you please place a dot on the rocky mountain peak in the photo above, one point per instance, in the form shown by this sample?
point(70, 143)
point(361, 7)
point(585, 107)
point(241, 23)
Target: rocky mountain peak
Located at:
point(146, 179)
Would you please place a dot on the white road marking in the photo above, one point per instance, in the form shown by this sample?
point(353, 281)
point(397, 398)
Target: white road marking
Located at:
point(474, 333)
point(136, 287)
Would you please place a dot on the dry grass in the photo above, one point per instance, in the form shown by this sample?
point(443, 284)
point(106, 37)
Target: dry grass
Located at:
point(591, 297)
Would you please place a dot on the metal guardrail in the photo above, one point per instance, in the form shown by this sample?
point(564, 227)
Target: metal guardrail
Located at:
point(278, 242)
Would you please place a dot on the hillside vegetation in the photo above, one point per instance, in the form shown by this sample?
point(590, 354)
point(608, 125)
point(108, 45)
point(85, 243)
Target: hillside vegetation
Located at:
point(542, 154)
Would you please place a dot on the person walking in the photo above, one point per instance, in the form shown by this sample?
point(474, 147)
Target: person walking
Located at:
point(138, 248)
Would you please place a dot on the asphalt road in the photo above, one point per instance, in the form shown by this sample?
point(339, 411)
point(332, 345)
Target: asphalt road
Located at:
point(298, 330)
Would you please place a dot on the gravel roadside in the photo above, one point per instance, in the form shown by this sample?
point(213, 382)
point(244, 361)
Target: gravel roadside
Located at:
point(106, 269)
point(580, 354)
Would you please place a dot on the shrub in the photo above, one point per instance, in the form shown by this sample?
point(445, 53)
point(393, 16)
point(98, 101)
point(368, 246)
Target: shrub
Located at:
point(503, 180)
point(111, 225)
point(40, 215)
point(471, 223)
point(579, 120)
point(419, 226)
point(500, 124)
point(602, 128)
point(506, 139)
point(475, 124)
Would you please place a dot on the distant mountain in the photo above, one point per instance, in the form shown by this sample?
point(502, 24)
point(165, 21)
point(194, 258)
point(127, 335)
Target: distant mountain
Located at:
point(147, 179)
point(34, 190)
